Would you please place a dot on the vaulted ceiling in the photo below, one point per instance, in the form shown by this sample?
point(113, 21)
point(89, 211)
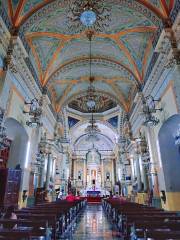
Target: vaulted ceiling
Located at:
point(120, 54)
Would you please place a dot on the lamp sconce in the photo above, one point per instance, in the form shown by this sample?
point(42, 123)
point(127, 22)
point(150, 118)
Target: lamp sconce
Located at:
point(35, 112)
point(24, 195)
point(149, 107)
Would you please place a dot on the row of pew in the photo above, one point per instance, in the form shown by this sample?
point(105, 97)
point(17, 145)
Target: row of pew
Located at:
point(137, 221)
point(43, 221)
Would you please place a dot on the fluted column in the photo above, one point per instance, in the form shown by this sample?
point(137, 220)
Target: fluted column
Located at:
point(72, 168)
point(41, 177)
point(138, 173)
point(85, 173)
point(153, 156)
point(143, 174)
point(102, 173)
point(112, 172)
point(48, 173)
point(114, 169)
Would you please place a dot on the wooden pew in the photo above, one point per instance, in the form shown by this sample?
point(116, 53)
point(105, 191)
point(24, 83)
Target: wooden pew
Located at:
point(50, 218)
point(141, 218)
point(59, 214)
point(24, 228)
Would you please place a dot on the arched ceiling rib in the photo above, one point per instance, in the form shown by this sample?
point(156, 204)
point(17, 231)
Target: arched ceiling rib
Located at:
point(22, 10)
point(60, 56)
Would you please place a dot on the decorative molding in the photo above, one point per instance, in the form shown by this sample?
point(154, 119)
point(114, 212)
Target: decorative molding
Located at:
point(5, 17)
point(175, 11)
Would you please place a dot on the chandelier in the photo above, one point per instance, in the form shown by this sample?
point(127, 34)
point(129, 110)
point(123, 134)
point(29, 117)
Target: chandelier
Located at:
point(92, 130)
point(88, 14)
point(149, 108)
point(35, 112)
point(141, 145)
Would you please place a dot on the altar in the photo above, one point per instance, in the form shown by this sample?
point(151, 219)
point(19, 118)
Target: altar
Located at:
point(93, 172)
point(94, 192)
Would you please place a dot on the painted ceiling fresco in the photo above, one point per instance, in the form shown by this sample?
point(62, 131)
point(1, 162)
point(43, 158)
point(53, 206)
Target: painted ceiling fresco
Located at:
point(106, 138)
point(120, 53)
point(103, 103)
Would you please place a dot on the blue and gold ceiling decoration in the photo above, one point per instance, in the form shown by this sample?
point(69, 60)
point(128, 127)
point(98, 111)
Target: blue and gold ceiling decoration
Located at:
point(72, 121)
point(120, 53)
point(113, 121)
point(102, 103)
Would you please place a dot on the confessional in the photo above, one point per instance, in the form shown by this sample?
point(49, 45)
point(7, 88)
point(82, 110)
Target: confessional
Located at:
point(10, 180)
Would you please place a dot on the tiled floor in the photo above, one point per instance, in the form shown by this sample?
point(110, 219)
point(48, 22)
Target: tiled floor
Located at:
point(92, 224)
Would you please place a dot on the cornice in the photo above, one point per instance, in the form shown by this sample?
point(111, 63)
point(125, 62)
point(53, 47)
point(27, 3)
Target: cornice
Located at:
point(163, 65)
point(19, 68)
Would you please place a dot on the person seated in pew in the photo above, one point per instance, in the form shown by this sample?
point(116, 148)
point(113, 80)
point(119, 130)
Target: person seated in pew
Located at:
point(70, 197)
point(122, 199)
point(78, 196)
point(60, 196)
point(116, 195)
point(10, 214)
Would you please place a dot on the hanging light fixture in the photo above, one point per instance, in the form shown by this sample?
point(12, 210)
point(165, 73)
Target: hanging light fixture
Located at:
point(88, 14)
point(92, 130)
point(91, 90)
point(148, 109)
point(35, 112)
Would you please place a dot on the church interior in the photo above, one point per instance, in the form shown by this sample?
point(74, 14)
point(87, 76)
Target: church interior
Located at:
point(89, 119)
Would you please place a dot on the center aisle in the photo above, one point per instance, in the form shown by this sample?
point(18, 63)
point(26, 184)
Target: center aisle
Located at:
point(92, 224)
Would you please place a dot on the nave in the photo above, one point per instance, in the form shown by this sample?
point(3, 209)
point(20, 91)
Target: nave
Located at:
point(89, 112)
point(92, 223)
point(113, 218)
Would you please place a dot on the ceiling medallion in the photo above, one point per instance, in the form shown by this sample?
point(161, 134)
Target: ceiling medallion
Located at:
point(87, 14)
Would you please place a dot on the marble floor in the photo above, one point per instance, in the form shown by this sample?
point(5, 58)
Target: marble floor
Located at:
point(92, 223)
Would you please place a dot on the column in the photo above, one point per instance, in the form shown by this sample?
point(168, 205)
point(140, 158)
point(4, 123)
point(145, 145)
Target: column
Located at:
point(143, 174)
point(132, 168)
point(102, 173)
point(72, 168)
point(66, 125)
point(153, 156)
point(112, 172)
point(48, 173)
point(114, 168)
point(41, 177)
point(85, 173)
point(138, 173)
point(53, 167)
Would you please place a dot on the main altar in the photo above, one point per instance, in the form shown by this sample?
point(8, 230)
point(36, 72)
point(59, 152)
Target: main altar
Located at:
point(93, 173)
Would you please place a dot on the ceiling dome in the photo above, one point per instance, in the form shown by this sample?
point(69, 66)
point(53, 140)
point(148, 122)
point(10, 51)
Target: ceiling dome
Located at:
point(102, 103)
